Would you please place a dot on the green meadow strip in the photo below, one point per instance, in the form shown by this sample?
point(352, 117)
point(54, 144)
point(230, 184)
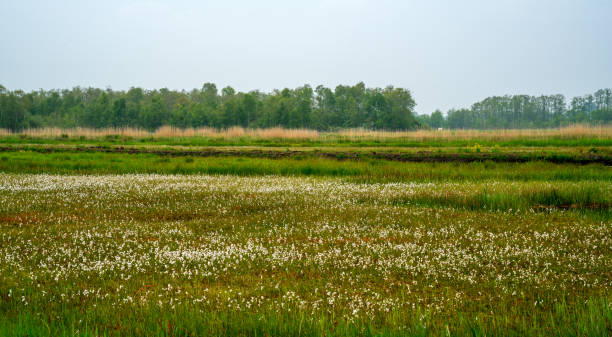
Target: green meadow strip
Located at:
point(367, 170)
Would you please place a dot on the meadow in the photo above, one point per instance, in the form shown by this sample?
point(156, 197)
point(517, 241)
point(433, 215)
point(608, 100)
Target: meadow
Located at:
point(187, 243)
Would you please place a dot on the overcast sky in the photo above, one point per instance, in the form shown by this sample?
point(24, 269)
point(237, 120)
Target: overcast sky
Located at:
point(448, 53)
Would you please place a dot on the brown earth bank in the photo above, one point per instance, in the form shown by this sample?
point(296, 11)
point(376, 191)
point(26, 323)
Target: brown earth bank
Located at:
point(418, 156)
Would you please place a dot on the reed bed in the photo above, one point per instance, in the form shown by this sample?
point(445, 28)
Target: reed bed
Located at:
point(168, 132)
point(568, 132)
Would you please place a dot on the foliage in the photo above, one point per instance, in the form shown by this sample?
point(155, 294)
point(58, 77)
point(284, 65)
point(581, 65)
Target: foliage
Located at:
point(523, 111)
point(303, 107)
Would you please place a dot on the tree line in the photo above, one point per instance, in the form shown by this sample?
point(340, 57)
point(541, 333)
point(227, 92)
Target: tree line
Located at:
point(320, 108)
point(524, 112)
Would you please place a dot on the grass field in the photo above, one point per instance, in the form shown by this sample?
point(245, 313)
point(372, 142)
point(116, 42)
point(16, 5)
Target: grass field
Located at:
point(97, 243)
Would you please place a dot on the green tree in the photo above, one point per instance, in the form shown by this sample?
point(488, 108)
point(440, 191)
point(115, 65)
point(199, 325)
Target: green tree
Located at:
point(119, 115)
point(12, 111)
point(154, 114)
point(436, 120)
point(98, 115)
point(248, 108)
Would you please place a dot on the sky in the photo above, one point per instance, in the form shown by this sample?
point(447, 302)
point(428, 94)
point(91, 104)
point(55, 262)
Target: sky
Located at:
point(449, 54)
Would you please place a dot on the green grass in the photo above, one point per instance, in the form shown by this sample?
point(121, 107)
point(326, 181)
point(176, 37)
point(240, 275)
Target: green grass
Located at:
point(586, 196)
point(591, 319)
point(577, 155)
point(366, 170)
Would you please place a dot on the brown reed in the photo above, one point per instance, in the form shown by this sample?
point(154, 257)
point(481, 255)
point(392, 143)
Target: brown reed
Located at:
point(569, 132)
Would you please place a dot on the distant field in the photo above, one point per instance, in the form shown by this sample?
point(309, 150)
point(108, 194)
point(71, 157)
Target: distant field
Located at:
point(336, 235)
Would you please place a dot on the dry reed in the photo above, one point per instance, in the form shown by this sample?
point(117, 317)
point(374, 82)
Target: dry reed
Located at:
point(168, 132)
point(569, 132)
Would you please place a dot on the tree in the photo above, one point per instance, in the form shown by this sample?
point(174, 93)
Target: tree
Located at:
point(324, 103)
point(154, 114)
point(119, 113)
point(376, 110)
point(322, 108)
point(12, 112)
point(436, 120)
point(302, 107)
point(248, 108)
point(98, 115)
point(400, 110)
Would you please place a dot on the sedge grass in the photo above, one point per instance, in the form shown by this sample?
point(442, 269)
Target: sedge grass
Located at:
point(594, 318)
point(177, 255)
